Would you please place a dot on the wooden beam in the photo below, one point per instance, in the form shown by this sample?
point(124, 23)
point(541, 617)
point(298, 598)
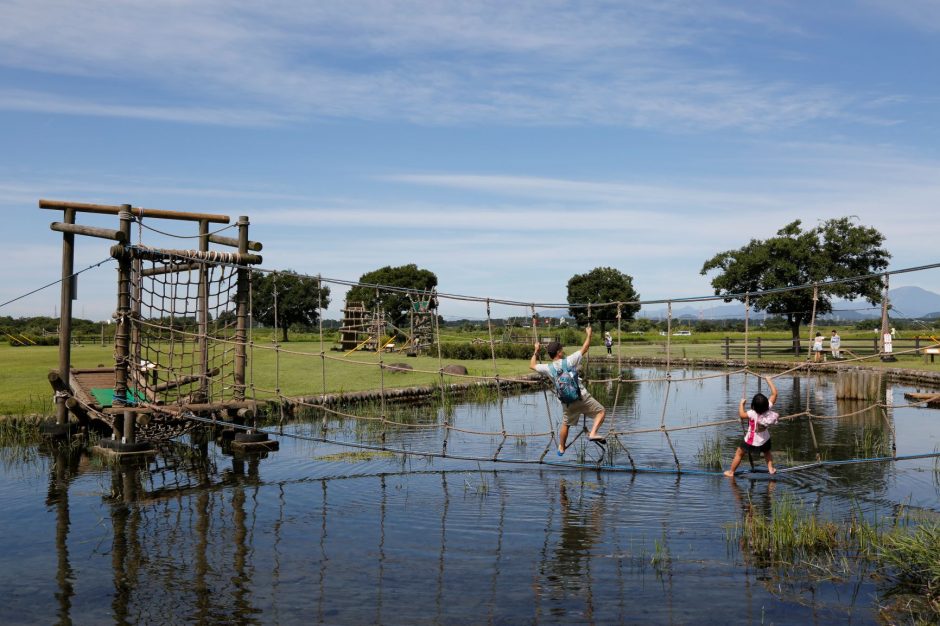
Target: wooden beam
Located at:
point(107, 209)
point(89, 231)
point(234, 243)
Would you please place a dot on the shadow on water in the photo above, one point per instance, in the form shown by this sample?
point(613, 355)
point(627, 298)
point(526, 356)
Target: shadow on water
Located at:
point(314, 534)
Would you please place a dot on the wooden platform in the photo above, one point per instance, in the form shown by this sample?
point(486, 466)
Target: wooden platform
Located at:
point(83, 381)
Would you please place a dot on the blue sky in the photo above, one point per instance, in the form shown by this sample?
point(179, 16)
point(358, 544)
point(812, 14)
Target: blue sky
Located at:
point(506, 146)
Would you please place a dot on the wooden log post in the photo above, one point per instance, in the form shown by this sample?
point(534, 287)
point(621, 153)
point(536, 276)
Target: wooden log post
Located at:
point(65, 315)
point(859, 385)
point(202, 312)
point(241, 312)
point(122, 333)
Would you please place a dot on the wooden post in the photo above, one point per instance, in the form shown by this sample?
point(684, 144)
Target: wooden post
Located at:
point(130, 435)
point(202, 308)
point(727, 348)
point(65, 315)
point(241, 312)
point(136, 287)
point(758, 349)
point(122, 332)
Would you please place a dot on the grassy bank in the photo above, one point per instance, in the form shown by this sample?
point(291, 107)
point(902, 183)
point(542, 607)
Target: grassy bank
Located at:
point(298, 369)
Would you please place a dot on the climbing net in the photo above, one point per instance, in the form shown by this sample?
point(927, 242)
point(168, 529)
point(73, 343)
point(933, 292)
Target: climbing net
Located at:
point(183, 328)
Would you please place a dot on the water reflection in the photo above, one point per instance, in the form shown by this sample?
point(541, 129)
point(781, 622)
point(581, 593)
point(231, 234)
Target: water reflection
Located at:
point(198, 535)
point(65, 463)
point(569, 571)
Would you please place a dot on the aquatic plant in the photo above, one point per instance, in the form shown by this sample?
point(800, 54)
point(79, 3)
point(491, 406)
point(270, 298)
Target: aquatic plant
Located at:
point(872, 443)
point(911, 559)
point(800, 545)
point(661, 559)
point(709, 452)
point(482, 489)
point(18, 432)
point(789, 534)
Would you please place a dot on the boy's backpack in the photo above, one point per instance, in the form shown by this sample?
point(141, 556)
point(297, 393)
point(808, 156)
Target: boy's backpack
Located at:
point(566, 383)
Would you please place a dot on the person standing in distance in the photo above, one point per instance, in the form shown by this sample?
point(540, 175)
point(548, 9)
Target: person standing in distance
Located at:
point(835, 343)
point(585, 404)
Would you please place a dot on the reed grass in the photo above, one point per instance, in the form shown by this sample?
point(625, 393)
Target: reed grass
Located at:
point(789, 534)
point(904, 550)
point(19, 432)
point(873, 442)
point(709, 452)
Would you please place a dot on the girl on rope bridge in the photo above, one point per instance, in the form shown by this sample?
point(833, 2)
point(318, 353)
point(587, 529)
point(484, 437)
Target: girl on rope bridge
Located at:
point(573, 395)
point(757, 437)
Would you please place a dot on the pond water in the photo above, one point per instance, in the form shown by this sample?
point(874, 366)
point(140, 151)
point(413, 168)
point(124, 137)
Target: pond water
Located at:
point(317, 532)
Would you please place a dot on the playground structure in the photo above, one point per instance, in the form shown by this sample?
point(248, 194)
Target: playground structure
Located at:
point(363, 329)
point(182, 322)
point(421, 316)
point(371, 331)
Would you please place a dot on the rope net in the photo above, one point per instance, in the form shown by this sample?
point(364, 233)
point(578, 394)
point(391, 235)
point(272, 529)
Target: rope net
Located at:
point(185, 345)
point(183, 326)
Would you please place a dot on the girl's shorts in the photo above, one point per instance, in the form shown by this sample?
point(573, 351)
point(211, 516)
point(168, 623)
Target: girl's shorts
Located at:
point(764, 447)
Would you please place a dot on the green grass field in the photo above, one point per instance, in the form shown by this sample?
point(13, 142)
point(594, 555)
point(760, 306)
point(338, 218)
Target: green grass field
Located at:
point(297, 369)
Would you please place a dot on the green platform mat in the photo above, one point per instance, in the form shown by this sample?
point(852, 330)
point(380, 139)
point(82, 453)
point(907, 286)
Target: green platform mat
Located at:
point(105, 396)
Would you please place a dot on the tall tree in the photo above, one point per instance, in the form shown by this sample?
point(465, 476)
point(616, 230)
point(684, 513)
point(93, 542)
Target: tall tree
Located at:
point(409, 280)
point(602, 284)
point(298, 299)
point(836, 249)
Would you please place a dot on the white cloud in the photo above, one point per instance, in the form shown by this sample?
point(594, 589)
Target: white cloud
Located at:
point(555, 63)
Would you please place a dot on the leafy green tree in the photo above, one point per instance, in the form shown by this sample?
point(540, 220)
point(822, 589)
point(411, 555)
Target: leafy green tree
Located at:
point(409, 280)
point(836, 249)
point(602, 285)
point(298, 299)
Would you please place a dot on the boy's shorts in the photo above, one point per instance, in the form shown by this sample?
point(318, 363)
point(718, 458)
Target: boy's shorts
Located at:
point(764, 447)
point(587, 405)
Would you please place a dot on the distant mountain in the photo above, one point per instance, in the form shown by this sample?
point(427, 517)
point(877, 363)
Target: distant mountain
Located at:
point(913, 302)
point(906, 302)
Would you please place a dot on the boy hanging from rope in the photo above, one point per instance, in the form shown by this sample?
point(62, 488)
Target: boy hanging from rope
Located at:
point(570, 391)
point(757, 437)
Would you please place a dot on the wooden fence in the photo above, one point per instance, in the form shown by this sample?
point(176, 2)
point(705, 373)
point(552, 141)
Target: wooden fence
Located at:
point(760, 348)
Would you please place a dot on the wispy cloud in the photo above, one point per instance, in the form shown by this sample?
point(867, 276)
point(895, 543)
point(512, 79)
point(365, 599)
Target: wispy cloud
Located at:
point(922, 15)
point(625, 64)
point(44, 102)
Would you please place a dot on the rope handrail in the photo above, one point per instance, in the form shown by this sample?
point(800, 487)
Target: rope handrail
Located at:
point(542, 461)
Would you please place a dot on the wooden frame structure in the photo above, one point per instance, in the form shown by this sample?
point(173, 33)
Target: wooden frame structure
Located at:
point(72, 396)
